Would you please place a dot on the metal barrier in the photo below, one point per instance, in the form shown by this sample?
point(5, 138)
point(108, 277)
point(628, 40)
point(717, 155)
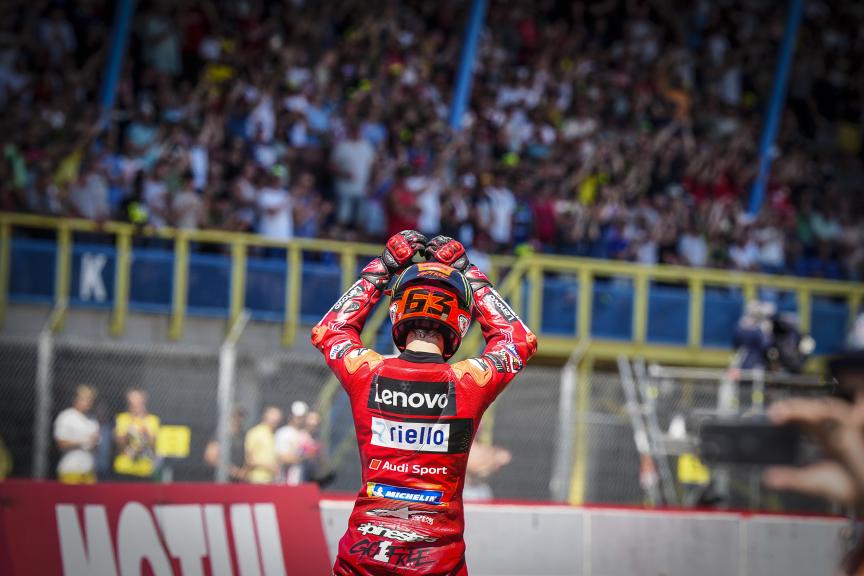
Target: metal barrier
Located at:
point(503, 539)
point(529, 272)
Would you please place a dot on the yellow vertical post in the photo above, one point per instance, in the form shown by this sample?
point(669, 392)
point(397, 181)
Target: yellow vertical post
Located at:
point(750, 292)
point(640, 307)
point(5, 263)
point(238, 280)
point(292, 296)
point(854, 303)
point(122, 273)
point(492, 273)
point(487, 427)
point(348, 261)
point(803, 295)
point(580, 443)
point(181, 285)
point(517, 300)
point(63, 272)
point(696, 312)
point(586, 295)
point(535, 303)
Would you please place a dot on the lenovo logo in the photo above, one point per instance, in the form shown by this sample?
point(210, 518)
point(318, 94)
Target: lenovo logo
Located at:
point(412, 398)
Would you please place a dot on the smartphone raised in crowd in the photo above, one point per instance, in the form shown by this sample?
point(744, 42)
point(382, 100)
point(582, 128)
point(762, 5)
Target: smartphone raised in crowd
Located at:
point(754, 441)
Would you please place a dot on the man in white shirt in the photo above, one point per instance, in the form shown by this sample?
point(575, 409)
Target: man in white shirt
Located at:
point(77, 435)
point(187, 206)
point(744, 253)
point(274, 210)
point(502, 205)
point(291, 440)
point(693, 248)
point(351, 163)
point(156, 195)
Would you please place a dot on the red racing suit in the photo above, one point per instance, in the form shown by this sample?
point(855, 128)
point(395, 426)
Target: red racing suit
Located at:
point(415, 417)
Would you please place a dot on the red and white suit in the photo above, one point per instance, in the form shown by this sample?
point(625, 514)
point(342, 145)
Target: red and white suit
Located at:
point(415, 418)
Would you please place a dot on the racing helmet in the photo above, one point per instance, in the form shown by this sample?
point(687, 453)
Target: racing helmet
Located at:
point(431, 296)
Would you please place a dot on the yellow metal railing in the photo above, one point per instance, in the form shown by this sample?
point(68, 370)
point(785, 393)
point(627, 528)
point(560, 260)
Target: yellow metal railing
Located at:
point(531, 269)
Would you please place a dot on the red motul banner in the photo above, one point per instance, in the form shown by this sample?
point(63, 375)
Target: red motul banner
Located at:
point(50, 529)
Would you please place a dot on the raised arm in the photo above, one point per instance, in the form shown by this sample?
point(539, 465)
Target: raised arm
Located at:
point(337, 335)
point(509, 342)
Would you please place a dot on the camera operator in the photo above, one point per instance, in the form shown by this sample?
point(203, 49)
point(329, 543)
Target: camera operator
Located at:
point(770, 340)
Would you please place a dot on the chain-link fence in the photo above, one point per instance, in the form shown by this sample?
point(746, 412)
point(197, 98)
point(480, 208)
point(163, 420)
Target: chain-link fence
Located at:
point(182, 387)
point(632, 444)
point(591, 446)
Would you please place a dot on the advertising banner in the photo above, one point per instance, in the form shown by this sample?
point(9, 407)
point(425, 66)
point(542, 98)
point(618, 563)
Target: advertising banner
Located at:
point(160, 530)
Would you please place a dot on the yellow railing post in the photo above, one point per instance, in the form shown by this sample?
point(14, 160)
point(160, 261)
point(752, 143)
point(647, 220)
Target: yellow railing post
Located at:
point(586, 296)
point(238, 280)
point(803, 296)
point(122, 272)
point(696, 312)
point(640, 307)
point(348, 262)
point(292, 295)
point(580, 443)
point(854, 303)
point(750, 291)
point(181, 285)
point(5, 264)
point(535, 303)
point(63, 271)
point(517, 300)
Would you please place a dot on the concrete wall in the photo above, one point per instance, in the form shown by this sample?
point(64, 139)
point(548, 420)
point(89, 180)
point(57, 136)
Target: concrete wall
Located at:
point(506, 540)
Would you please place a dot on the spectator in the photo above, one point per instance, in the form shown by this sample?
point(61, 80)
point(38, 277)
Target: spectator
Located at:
point(310, 210)
point(500, 204)
point(295, 446)
point(187, 207)
point(262, 464)
point(274, 204)
point(236, 460)
point(88, 195)
point(402, 209)
point(156, 195)
point(351, 163)
point(76, 433)
point(483, 462)
point(693, 248)
point(135, 433)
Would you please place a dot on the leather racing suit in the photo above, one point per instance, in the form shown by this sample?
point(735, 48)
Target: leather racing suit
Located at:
point(415, 418)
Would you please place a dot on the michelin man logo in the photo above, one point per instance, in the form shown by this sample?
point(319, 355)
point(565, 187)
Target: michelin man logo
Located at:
point(393, 308)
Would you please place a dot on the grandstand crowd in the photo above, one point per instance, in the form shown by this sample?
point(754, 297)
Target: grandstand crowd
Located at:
point(612, 129)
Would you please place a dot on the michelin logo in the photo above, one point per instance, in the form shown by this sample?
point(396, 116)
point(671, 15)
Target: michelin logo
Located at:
point(375, 490)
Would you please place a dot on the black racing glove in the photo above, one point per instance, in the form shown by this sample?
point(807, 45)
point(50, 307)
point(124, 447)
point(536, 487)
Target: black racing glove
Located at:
point(397, 255)
point(401, 248)
point(447, 251)
point(452, 253)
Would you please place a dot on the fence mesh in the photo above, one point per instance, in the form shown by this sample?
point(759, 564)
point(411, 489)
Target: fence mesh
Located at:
point(18, 402)
point(612, 461)
point(181, 383)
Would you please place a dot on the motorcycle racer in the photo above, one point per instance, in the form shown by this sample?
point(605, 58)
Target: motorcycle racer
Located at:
point(415, 415)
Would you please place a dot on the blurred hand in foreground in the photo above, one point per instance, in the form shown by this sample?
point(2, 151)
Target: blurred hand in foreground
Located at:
point(838, 427)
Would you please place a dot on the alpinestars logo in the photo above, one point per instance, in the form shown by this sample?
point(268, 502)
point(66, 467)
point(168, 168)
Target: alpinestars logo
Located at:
point(391, 534)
